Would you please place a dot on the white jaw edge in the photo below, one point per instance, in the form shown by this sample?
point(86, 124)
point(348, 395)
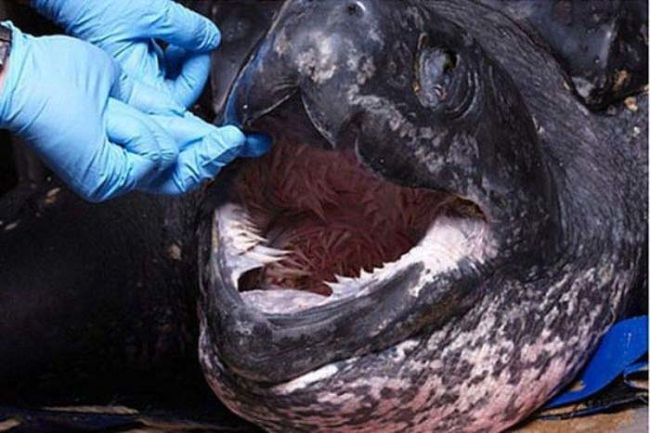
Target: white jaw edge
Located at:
point(447, 241)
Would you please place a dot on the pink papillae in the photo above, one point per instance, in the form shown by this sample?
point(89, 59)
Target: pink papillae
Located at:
point(332, 214)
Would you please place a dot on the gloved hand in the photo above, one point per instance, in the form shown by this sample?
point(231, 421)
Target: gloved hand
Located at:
point(126, 29)
point(204, 150)
point(69, 100)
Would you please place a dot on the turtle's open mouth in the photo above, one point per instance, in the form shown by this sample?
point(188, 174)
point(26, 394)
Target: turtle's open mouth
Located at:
point(307, 225)
point(329, 216)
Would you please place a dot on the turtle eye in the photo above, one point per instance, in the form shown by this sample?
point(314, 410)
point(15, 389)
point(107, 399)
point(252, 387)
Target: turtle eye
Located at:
point(434, 71)
point(438, 65)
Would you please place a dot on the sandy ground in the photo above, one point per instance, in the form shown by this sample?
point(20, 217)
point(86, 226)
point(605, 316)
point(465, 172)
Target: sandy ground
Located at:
point(627, 421)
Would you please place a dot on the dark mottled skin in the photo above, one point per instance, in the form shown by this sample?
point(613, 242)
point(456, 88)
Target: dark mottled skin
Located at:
point(602, 44)
point(533, 319)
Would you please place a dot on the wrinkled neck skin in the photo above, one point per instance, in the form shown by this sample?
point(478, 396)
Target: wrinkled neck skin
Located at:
point(568, 242)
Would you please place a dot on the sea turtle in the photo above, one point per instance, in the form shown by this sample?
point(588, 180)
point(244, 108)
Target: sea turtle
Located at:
point(439, 238)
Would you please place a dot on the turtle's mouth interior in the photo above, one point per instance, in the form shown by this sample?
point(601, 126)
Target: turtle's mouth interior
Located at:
point(322, 216)
point(330, 215)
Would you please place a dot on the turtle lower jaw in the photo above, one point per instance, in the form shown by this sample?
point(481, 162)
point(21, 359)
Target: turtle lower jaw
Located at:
point(249, 255)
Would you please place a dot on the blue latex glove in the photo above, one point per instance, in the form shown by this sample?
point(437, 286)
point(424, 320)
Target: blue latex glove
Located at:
point(80, 113)
point(126, 29)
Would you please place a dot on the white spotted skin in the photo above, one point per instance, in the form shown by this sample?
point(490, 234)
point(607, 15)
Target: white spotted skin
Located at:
point(480, 373)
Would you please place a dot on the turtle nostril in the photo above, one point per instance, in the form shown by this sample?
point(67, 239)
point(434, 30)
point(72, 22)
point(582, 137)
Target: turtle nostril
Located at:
point(354, 8)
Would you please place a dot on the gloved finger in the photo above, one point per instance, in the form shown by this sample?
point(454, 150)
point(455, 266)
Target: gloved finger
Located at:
point(112, 172)
point(200, 162)
point(177, 25)
point(125, 126)
point(186, 130)
point(169, 148)
point(144, 61)
point(144, 97)
point(187, 73)
point(130, 153)
point(189, 129)
point(257, 144)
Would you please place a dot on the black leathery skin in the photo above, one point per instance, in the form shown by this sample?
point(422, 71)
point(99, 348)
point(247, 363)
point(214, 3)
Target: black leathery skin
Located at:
point(242, 25)
point(555, 287)
point(602, 43)
point(94, 297)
